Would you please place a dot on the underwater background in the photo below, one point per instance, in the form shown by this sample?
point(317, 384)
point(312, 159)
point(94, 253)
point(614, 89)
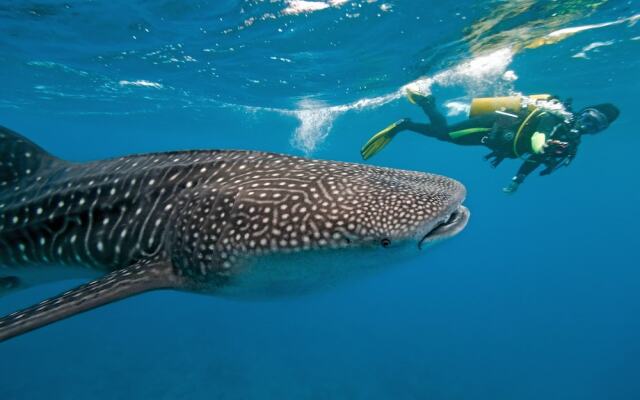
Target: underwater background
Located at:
point(538, 298)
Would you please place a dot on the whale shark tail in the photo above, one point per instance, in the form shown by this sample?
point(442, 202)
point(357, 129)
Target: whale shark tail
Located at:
point(21, 158)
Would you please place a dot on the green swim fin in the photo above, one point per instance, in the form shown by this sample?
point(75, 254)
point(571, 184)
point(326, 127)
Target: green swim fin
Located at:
point(380, 139)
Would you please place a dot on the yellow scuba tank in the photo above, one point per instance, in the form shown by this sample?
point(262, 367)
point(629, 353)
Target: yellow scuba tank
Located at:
point(511, 104)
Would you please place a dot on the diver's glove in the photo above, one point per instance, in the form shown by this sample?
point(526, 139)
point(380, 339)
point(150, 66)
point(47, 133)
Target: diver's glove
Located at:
point(382, 138)
point(548, 170)
point(494, 159)
point(514, 185)
point(556, 147)
point(511, 188)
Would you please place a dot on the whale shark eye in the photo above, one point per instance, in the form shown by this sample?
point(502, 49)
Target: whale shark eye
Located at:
point(385, 242)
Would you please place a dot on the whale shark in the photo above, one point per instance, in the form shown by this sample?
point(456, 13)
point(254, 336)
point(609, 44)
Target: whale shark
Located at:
point(243, 224)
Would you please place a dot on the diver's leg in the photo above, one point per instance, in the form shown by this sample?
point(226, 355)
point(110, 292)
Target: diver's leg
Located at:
point(430, 130)
point(472, 132)
point(438, 120)
point(435, 130)
point(428, 105)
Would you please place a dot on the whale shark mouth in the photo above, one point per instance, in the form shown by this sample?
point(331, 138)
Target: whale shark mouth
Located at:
point(448, 227)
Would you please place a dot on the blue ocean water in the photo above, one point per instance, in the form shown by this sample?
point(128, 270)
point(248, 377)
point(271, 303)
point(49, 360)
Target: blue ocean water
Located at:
point(536, 299)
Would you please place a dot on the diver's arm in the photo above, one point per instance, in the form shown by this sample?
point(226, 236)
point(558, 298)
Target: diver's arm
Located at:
point(553, 164)
point(526, 168)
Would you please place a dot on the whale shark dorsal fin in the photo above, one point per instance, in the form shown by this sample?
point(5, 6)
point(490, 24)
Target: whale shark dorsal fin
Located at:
point(21, 158)
point(140, 277)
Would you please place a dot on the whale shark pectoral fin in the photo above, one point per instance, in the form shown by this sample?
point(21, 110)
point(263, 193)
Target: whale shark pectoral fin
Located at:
point(140, 277)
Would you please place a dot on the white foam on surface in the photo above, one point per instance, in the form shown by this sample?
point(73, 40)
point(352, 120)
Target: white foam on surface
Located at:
point(455, 108)
point(58, 66)
point(592, 46)
point(509, 76)
point(141, 83)
point(562, 33)
point(295, 7)
point(474, 75)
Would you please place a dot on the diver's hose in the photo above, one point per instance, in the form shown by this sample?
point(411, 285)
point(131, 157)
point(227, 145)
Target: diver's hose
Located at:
point(517, 137)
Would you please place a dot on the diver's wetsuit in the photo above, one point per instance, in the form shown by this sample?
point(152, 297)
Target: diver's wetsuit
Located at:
point(497, 132)
point(439, 129)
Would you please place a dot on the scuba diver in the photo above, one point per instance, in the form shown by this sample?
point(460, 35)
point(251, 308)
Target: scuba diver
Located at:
point(540, 129)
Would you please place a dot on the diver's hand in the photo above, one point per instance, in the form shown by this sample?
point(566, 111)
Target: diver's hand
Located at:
point(494, 159)
point(511, 188)
point(555, 146)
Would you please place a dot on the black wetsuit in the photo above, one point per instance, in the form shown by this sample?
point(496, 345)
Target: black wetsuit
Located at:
point(499, 134)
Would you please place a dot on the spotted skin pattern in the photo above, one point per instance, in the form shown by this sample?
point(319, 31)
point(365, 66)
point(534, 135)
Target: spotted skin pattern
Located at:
point(201, 216)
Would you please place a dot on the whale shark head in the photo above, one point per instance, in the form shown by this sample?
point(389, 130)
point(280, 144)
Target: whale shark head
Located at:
point(349, 206)
point(330, 209)
point(399, 207)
